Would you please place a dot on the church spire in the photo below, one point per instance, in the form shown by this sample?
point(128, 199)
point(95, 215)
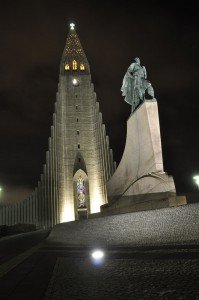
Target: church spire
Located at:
point(74, 59)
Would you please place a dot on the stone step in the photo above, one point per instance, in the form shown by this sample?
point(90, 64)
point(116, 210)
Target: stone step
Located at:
point(175, 225)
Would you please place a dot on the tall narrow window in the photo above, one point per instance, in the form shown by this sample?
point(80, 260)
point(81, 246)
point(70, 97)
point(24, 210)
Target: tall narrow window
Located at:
point(77, 132)
point(76, 106)
point(74, 65)
point(67, 67)
point(78, 146)
point(81, 191)
point(82, 67)
point(77, 120)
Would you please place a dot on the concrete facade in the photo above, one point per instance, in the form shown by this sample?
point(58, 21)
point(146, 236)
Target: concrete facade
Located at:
point(78, 145)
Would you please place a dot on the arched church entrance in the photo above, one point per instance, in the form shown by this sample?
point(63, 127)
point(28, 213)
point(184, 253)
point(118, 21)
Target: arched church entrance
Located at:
point(81, 195)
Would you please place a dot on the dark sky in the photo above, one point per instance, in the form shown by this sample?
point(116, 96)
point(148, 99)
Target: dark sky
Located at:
point(32, 38)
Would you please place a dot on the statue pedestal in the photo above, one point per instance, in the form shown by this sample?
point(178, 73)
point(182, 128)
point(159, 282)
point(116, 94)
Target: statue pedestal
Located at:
point(140, 179)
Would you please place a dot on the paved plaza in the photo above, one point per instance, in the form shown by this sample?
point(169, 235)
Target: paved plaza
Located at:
point(61, 272)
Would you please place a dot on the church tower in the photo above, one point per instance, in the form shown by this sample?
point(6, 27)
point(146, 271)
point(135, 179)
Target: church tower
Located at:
point(85, 159)
point(79, 161)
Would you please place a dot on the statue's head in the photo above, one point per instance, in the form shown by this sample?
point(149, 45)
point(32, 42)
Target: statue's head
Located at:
point(137, 60)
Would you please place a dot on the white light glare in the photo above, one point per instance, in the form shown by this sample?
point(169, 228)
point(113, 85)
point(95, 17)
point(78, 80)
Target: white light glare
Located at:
point(72, 26)
point(196, 178)
point(97, 254)
point(75, 82)
point(0, 189)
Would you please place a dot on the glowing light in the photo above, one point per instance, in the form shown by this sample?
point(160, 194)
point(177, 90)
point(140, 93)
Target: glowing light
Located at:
point(74, 65)
point(196, 178)
point(72, 26)
point(0, 189)
point(75, 81)
point(82, 67)
point(97, 256)
point(67, 67)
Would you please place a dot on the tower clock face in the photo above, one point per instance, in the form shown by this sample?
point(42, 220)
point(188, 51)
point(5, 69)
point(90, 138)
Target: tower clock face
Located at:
point(75, 81)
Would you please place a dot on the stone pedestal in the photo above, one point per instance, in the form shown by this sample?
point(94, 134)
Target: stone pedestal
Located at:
point(140, 176)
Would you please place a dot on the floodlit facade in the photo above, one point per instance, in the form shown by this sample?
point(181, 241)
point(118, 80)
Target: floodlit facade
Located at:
point(79, 161)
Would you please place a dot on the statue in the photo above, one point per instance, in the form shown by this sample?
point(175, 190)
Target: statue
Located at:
point(135, 85)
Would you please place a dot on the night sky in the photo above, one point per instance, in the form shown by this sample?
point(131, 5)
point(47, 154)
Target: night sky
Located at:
point(112, 33)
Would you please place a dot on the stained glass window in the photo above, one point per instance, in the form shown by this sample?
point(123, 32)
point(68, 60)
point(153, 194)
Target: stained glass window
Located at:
point(81, 190)
point(67, 67)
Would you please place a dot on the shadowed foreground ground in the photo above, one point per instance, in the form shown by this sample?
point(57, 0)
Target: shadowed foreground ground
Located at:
point(148, 255)
point(126, 273)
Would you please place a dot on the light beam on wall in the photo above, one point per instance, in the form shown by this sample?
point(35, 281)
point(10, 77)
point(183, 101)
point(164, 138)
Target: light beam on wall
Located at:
point(67, 213)
point(96, 200)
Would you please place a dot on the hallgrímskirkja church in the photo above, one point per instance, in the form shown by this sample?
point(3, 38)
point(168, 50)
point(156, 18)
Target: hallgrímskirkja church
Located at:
point(79, 178)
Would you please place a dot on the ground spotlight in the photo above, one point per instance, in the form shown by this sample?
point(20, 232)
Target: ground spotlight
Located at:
point(196, 178)
point(97, 256)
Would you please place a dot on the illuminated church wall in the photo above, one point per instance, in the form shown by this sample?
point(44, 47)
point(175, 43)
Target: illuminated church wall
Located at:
point(78, 142)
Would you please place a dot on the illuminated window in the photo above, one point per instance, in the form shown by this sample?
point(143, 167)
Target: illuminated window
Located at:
point(74, 65)
point(67, 67)
point(81, 190)
point(82, 67)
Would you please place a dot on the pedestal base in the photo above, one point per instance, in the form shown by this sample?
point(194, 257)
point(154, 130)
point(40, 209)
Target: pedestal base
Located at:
point(140, 183)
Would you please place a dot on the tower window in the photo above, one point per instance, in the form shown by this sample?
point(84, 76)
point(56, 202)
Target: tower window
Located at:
point(77, 120)
point(67, 67)
point(79, 159)
point(78, 146)
point(76, 106)
point(77, 132)
point(74, 65)
point(82, 67)
point(81, 191)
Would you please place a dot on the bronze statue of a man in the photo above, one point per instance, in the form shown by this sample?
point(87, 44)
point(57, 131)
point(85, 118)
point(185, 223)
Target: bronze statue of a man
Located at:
point(135, 84)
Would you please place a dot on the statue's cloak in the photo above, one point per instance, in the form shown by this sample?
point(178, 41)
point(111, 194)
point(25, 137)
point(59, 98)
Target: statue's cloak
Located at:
point(127, 87)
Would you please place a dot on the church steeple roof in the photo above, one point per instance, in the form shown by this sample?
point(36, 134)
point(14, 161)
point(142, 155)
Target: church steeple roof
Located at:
point(74, 59)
